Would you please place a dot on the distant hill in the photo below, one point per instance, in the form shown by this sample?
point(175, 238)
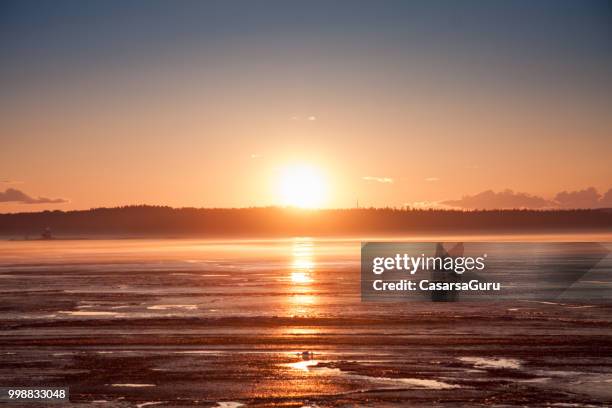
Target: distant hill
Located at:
point(273, 221)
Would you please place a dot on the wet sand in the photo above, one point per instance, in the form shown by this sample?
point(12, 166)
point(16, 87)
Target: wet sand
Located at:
point(183, 323)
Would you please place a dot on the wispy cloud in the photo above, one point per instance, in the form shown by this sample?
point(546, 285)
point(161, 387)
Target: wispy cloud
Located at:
point(311, 118)
point(256, 156)
point(18, 196)
point(426, 205)
point(432, 179)
point(9, 181)
point(386, 180)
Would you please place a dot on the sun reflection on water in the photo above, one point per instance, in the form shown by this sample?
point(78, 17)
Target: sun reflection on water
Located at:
point(302, 365)
point(303, 299)
point(301, 277)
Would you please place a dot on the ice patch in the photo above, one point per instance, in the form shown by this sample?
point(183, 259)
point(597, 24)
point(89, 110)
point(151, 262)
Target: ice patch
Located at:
point(481, 362)
point(229, 404)
point(415, 382)
point(133, 385)
point(213, 352)
point(536, 380)
point(559, 373)
point(148, 404)
point(166, 307)
point(88, 313)
point(312, 366)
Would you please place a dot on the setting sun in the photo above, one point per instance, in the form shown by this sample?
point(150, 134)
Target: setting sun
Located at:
point(302, 186)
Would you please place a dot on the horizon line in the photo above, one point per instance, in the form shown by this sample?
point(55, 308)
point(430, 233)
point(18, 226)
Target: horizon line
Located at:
point(406, 208)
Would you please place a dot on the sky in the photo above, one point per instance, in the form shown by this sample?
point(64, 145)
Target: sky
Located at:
point(392, 103)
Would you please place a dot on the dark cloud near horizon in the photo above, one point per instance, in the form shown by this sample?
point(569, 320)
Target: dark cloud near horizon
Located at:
point(606, 200)
point(489, 200)
point(508, 199)
point(12, 195)
point(587, 198)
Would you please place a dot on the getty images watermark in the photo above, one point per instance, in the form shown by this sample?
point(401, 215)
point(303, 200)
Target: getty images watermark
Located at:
point(485, 271)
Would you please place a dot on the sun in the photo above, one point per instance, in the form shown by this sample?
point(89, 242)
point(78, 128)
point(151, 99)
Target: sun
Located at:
point(302, 186)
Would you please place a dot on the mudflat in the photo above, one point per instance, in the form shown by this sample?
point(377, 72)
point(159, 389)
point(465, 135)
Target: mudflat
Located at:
point(276, 323)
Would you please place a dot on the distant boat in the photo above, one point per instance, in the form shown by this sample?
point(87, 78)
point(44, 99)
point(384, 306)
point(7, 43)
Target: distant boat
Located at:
point(46, 234)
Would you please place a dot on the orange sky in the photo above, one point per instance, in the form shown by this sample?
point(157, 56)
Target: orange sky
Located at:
point(210, 119)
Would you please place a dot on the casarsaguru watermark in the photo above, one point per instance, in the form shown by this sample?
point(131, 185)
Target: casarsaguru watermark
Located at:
point(425, 284)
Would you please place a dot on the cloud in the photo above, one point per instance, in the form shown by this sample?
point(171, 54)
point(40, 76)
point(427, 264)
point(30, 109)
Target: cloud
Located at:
point(432, 179)
point(17, 196)
point(256, 156)
point(310, 118)
point(8, 181)
point(587, 198)
point(386, 180)
point(427, 205)
point(488, 200)
point(606, 200)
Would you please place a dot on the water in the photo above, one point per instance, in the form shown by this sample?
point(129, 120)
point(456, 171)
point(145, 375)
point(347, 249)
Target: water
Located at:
point(187, 322)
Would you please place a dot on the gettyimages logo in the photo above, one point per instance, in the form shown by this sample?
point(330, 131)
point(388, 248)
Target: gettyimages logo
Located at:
point(441, 261)
point(483, 271)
